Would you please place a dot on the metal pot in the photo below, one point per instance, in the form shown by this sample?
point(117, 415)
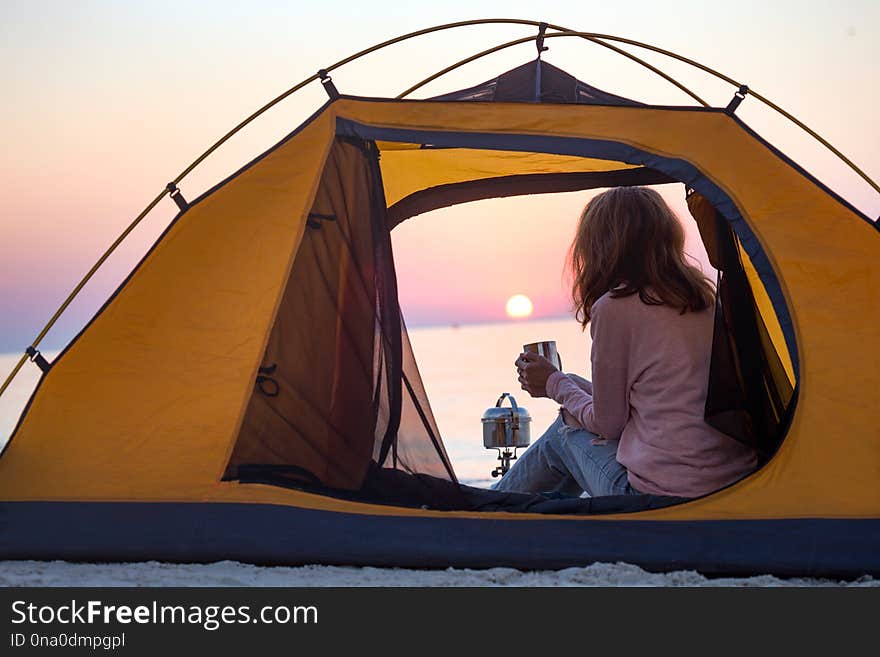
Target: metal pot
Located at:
point(506, 427)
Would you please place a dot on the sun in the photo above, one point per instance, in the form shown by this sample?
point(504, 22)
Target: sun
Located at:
point(519, 306)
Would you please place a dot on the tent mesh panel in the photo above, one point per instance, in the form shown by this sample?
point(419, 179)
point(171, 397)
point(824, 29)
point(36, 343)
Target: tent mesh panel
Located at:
point(339, 397)
point(750, 394)
point(537, 82)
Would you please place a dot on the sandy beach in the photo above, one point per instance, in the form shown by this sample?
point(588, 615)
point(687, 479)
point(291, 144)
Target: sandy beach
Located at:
point(231, 573)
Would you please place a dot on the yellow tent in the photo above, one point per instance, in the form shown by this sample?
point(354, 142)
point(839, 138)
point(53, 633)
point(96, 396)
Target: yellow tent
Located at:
point(249, 392)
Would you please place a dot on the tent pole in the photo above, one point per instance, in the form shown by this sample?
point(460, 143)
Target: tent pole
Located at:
point(12, 374)
point(80, 286)
point(562, 31)
point(217, 145)
point(733, 82)
point(586, 35)
point(598, 39)
point(817, 137)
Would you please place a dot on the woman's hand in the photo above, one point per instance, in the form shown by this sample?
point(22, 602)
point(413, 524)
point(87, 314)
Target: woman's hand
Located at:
point(534, 370)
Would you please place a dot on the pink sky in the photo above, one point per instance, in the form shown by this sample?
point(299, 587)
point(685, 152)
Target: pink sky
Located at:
point(519, 246)
point(107, 101)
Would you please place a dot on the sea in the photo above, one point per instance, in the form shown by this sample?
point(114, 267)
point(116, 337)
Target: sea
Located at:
point(464, 370)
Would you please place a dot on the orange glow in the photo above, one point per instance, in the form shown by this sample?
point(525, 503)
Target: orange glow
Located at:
point(88, 143)
point(519, 306)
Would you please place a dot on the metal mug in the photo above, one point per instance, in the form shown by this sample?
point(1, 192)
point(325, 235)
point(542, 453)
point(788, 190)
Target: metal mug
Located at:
point(547, 349)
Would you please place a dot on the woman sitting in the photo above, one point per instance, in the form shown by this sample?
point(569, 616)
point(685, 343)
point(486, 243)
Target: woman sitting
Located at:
point(639, 427)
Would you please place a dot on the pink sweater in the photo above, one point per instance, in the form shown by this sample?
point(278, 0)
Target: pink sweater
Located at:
point(650, 376)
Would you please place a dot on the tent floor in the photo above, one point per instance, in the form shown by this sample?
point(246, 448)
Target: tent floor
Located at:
point(398, 488)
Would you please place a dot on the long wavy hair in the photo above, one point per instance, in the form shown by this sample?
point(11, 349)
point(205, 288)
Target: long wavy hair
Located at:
point(629, 242)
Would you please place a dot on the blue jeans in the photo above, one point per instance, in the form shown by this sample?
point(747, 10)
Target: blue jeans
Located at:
point(564, 460)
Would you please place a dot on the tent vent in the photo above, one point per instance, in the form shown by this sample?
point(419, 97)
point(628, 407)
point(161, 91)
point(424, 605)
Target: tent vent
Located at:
point(737, 99)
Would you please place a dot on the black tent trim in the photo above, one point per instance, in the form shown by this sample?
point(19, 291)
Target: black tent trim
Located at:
point(678, 169)
point(443, 196)
point(422, 101)
point(683, 108)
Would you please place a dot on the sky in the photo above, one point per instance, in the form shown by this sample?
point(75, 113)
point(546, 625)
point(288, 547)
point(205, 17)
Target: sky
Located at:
point(105, 102)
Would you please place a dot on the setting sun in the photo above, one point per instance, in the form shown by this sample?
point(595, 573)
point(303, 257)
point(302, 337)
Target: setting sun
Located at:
point(519, 306)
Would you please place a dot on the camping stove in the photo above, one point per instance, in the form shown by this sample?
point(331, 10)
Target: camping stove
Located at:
point(505, 429)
